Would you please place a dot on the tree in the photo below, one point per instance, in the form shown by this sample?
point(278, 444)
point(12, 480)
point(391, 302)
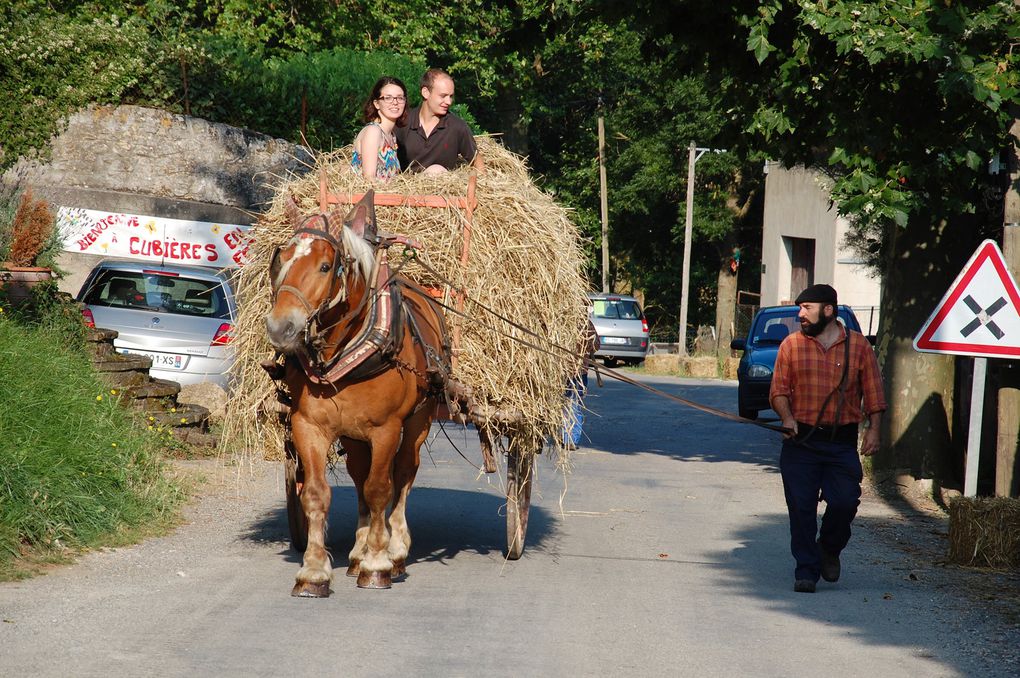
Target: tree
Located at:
point(903, 103)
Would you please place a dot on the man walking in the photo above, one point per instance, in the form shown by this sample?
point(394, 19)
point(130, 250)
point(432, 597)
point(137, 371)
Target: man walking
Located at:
point(434, 139)
point(826, 380)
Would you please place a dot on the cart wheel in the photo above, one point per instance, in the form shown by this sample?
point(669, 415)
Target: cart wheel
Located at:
point(519, 475)
point(295, 478)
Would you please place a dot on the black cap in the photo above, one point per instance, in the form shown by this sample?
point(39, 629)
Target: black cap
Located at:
point(823, 294)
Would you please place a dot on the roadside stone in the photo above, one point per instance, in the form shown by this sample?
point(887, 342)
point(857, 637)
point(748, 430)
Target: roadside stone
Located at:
point(209, 396)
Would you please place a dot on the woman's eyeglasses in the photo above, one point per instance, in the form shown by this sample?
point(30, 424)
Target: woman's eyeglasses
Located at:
point(390, 99)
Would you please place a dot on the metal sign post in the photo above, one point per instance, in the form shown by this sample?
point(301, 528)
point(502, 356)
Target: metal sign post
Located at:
point(977, 408)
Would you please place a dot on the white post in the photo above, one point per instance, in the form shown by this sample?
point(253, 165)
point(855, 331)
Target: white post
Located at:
point(688, 226)
point(977, 407)
point(605, 206)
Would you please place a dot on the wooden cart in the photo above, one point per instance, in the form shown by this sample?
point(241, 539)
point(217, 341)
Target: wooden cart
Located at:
point(519, 464)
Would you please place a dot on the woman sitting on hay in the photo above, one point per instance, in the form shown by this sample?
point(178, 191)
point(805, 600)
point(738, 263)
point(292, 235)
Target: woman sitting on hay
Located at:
point(375, 147)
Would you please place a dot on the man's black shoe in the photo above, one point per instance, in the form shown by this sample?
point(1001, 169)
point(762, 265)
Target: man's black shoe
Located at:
point(830, 564)
point(804, 586)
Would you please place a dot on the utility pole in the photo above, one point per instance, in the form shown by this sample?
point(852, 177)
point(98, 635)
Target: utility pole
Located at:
point(693, 154)
point(1007, 465)
point(605, 204)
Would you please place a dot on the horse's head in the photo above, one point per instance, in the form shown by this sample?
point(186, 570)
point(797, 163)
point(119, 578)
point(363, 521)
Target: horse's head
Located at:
point(327, 261)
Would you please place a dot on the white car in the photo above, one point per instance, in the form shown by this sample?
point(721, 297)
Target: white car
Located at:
point(621, 326)
point(181, 317)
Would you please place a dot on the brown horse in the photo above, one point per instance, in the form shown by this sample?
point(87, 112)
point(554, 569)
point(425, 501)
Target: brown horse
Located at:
point(334, 314)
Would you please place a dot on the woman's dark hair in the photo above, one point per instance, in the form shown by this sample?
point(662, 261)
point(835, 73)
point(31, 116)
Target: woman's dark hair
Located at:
point(369, 112)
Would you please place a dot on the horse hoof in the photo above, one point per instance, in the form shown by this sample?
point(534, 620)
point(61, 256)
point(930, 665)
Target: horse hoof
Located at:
point(374, 580)
point(399, 568)
point(354, 568)
point(308, 589)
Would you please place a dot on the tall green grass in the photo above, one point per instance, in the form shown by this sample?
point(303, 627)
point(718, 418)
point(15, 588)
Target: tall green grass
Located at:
point(74, 470)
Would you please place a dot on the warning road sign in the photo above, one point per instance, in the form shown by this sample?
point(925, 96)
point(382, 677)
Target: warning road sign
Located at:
point(980, 314)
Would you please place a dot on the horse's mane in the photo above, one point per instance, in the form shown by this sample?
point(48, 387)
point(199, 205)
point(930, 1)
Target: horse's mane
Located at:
point(360, 250)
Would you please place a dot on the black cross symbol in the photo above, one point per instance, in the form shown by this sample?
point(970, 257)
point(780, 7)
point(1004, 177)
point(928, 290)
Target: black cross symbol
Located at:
point(984, 317)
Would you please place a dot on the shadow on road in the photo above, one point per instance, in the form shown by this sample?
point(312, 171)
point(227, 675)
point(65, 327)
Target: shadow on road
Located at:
point(443, 522)
point(885, 597)
point(637, 421)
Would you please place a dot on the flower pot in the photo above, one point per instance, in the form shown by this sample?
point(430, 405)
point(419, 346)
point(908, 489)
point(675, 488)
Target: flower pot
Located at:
point(17, 281)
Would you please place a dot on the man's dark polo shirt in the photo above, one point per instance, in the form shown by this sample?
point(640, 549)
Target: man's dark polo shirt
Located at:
point(451, 143)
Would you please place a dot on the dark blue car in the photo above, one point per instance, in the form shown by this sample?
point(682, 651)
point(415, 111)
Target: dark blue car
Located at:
point(768, 329)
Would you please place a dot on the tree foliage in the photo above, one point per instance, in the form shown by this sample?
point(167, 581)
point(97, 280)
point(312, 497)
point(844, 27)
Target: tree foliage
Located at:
point(905, 102)
point(52, 64)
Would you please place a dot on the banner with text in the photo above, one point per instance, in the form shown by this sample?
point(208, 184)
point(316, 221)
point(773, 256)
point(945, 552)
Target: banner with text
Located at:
point(171, 241)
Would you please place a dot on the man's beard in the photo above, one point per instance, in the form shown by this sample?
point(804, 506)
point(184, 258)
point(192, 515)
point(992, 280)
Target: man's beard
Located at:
point(814, 329)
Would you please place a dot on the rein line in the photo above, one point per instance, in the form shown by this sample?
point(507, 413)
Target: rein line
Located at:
point(410, 254)
point(564, 351)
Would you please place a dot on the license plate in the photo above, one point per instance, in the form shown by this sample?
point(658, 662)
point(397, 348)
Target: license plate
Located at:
point(163, 361)
point(614, 340)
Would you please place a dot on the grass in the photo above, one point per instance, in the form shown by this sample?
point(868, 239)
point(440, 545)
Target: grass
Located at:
point(75, 472)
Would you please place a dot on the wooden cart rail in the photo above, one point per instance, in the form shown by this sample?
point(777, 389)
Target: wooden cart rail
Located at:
point(468, 204)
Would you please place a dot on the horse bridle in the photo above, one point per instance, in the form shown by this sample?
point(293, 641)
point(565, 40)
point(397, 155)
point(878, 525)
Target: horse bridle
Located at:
point(338, 266)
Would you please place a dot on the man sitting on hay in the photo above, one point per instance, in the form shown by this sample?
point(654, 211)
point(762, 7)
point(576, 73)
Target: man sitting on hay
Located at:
point(434, 140)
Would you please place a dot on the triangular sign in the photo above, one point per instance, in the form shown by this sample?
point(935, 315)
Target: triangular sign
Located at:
point(980, 314)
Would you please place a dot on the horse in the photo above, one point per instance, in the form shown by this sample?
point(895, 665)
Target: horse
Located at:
point(366, 357)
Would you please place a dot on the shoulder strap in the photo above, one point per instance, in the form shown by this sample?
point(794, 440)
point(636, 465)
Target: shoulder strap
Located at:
point(840, 389)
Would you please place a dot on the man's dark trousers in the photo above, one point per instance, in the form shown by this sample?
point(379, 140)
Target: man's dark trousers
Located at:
point(834, 469)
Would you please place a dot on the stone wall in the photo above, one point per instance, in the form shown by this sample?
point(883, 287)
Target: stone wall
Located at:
point(135, 160)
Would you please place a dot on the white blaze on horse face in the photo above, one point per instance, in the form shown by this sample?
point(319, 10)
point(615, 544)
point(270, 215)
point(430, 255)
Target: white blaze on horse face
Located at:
point(302, 246)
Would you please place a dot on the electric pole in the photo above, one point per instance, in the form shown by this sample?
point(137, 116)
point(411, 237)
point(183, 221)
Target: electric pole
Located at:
point(692, 158)
point(605, 205)
point(693, 154)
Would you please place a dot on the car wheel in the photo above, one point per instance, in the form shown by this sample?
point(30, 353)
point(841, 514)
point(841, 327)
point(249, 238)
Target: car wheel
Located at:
point(635, 361)
point(610, 362)
point(748, 414)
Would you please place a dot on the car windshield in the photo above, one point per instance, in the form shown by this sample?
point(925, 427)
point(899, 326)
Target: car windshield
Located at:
point(772, 329)
point(156, 291)
point(616, 309)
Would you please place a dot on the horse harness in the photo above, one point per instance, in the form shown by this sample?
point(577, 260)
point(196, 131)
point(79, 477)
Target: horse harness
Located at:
point(374, 347)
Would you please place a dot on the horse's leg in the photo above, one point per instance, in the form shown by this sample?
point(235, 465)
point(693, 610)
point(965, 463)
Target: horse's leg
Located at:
point(359, 460)
point(405, 468)
point(376, 565)
point(312, 444)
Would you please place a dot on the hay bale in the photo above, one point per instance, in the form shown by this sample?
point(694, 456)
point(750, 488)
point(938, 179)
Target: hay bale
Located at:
point(524, 264)
point(702, 367)
point(985, 531)
point(729, 368)
point(662, 363)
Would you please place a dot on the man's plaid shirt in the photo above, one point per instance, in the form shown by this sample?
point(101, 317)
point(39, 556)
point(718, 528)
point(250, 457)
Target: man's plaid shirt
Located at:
point(806, 373)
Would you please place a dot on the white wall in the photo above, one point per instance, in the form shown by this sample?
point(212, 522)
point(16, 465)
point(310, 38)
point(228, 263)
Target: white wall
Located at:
point(797, 206)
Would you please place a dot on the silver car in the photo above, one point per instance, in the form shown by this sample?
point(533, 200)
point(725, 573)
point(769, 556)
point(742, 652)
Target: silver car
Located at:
point(621, 326)
point(181, 317)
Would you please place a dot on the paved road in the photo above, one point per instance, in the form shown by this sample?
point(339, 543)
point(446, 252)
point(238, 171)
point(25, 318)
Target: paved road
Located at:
point(664, 552)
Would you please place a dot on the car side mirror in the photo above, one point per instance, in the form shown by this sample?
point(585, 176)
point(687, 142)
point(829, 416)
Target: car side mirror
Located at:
point(871, 339)
point(737, 344)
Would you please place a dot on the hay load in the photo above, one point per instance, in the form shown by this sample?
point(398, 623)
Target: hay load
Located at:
point(985, 532)
point(523, 263)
